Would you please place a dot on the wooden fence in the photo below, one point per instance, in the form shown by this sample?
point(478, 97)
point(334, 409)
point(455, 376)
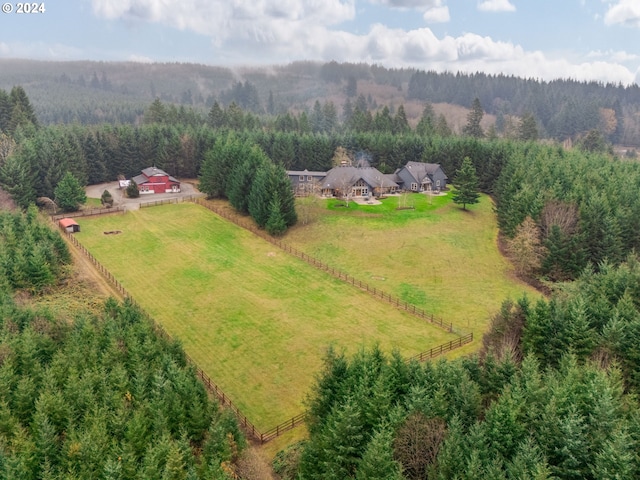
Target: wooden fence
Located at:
point(87, 213)
point(441, 349)
point(339, 274)
point(168, 201)
point(210, 385)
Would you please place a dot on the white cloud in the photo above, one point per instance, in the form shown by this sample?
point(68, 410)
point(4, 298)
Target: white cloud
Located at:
point(496, 6)
point(624, 12)
point(139, 59)
point(39, 50)
point(266, 32)
point(617, 57)
point(417, 4)
point(437, 15)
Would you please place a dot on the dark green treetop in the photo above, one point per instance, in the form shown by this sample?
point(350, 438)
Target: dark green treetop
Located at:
point(466, 183)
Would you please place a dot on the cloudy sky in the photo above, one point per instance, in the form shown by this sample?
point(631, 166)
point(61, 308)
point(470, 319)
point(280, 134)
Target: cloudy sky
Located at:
point(544, 39)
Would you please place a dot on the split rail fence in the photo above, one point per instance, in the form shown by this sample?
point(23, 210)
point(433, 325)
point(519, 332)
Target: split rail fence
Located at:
point(337, 273)
point(209, 384)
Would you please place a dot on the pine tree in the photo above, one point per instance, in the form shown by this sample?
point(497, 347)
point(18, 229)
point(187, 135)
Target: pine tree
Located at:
point(528, 130)
point(377, 461)
point(473, 128)
point(276, 224)
point(466, 184)
point(69, 193)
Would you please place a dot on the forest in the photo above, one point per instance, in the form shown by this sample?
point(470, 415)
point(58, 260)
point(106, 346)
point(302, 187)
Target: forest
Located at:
point(93, 93)
point(551, 394)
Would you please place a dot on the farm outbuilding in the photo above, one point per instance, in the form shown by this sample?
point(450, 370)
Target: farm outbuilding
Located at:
point(69, 225)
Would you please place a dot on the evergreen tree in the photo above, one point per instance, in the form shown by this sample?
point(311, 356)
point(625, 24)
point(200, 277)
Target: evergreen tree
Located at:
point(69, 194)
point(276, 224)
point(377, 461)
point(466, 184)
point(400, 122)
point(473, 128)
point(426, 126)
point(528, 130)
point(132, 190)
point(216, 118)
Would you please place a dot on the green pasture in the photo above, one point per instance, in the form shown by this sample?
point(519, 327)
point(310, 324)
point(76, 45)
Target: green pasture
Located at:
point(433, 254)
point(257, 320)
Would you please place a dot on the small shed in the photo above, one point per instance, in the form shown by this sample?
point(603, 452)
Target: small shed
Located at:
point(69, 225)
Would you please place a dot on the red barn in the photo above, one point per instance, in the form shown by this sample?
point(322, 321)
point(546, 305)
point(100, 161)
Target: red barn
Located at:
point(154, 180)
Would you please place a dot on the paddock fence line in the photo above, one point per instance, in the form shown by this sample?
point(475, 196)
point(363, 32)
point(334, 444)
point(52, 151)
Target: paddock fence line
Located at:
point(168, 201)
point(209, 384)
point(86, 213)
point(442, 349)
point(214, 388)
point(336, 273)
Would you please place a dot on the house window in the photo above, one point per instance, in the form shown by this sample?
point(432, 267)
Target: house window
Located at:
point(414, 187)
point(308, 178)
point(437, 183)
point(301, 178)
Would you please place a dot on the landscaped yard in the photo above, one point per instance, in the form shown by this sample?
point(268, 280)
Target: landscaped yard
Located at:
point(434, 255)
point(257, 320)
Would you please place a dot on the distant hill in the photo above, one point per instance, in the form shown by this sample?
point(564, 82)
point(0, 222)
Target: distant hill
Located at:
point(89, 92)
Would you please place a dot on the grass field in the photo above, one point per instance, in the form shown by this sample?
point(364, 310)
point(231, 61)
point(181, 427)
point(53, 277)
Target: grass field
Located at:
point(435, 255)
point(257, 320)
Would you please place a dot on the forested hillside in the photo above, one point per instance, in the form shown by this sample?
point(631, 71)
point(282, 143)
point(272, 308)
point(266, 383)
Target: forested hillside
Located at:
point(99, 92)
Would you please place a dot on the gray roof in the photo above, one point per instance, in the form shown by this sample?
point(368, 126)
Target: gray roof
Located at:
point(139, 179)
point(339, 176)
point(305, 172)
point(151, 171)
point(420, 170)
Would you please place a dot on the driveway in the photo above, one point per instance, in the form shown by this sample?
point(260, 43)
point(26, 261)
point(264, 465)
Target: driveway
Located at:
point(121, 200)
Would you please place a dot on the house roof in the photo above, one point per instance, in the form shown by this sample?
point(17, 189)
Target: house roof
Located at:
point(420, 170)
point(306, 172)
point(67, 222)
point(347, 175)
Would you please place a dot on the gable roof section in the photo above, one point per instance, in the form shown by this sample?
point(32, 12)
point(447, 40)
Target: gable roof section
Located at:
point(305, 172)
point(153, 172)
point(420, 170)
point(67, 222)
point(149, 173)
point(339, 176)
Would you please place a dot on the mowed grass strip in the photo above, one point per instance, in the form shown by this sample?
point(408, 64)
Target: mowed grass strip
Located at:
point(435, 255)
point(256, 319)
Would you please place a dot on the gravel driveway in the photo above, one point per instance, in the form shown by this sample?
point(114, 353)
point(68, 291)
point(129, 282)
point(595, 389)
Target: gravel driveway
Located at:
point(120, 199)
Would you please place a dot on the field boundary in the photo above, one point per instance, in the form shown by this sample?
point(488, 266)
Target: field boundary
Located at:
point(209, 384)
point(334, 272)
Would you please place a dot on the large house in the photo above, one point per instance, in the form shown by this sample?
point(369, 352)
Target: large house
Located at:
point(364, 181)
point(421, 177)
point(153, 180)
point(357, 182)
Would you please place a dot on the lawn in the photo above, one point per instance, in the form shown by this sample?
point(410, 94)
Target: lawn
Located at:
point(434, 255)
point(257, 320)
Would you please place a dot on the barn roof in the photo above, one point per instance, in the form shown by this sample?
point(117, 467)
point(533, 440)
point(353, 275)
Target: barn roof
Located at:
point(67, 222)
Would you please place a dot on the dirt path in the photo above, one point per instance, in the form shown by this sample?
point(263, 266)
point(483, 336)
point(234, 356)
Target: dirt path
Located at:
point(85, 271)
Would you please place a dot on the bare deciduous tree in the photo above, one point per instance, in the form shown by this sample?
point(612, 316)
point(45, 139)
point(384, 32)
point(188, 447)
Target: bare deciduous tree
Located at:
point(526, 249)
point(417, 444)
point(562, 214)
